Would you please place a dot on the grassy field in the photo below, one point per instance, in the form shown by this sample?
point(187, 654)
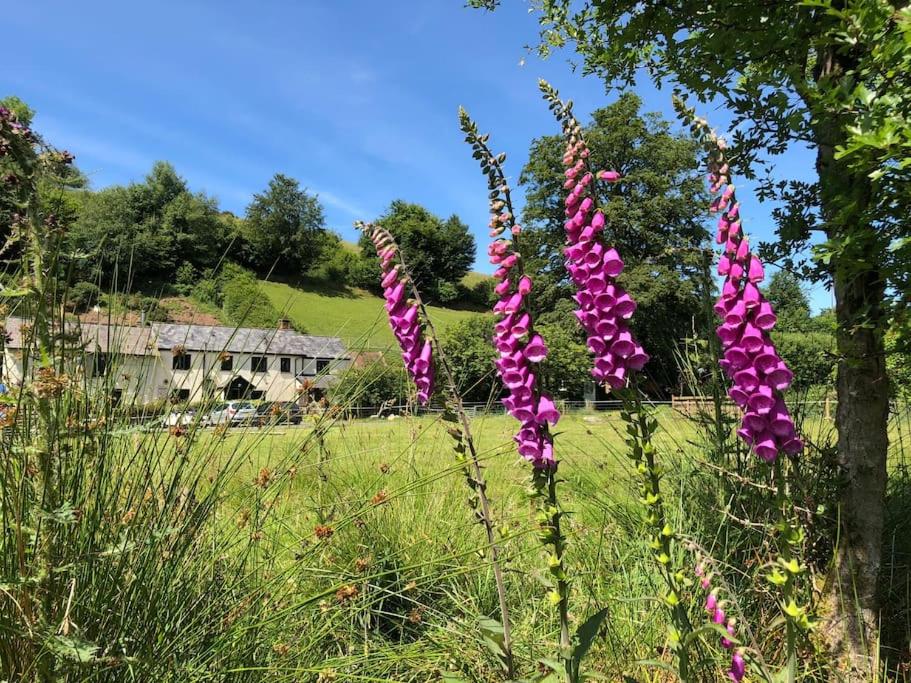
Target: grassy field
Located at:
point(346, 551)
point(354, 315)
point(379, 571)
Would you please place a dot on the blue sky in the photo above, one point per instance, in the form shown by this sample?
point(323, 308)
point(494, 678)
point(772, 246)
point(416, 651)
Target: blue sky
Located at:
point(356, 99)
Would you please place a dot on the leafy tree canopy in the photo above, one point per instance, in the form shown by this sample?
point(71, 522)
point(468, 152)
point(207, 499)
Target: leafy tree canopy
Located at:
point(146, 229)
point(285, 226)
point(438, 252)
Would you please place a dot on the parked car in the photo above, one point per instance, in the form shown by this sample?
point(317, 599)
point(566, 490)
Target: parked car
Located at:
point(277, 412)
point(178, 417)
point(231, 413)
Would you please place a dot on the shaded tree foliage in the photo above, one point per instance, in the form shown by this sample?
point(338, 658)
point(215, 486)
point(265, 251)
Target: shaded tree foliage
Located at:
point(144, 230)
point(439, 252)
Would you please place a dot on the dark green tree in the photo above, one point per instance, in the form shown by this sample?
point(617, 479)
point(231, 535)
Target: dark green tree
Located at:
point(656, 218)
point(285, 227)
point(439, 252)
point(833, 76)
point(790, 301)
point(144, 230)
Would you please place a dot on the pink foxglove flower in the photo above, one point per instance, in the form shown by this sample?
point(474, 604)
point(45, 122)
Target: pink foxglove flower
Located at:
point(758, 373)
point(404, 313)
point(520, 348)
point(604, 307)
point(717, 616)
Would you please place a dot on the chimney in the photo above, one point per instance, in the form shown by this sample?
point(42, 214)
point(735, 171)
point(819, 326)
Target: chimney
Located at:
point(284, 324)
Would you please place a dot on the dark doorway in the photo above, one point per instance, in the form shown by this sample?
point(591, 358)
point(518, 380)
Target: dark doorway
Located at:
point(239, 388)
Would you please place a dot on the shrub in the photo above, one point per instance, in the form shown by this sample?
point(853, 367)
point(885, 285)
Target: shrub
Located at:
point(810, 355)
point(446, 292)
point(82, 296)
point(373, 384)
point(185, 278)
point(244, 303)
point(206, 291)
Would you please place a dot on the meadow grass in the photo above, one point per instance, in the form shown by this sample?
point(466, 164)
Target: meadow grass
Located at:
point(355, 315)
point(370, 530)
point(344, 550)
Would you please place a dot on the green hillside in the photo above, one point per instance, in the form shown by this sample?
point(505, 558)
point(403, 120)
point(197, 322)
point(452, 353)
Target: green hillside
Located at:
point(354, 315)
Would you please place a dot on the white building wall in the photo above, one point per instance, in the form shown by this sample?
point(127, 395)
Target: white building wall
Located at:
point(152, 378)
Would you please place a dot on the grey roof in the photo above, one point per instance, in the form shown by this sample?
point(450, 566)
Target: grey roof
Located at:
point(124, 339)
point(247, 340)
point(139, 340)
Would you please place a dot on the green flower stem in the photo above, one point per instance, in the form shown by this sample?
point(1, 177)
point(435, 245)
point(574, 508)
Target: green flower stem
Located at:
point(641, 426)
point(544, 486)
point(786, 569)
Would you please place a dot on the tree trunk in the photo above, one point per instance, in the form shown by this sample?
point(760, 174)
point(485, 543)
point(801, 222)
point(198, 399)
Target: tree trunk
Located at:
point(850, 614)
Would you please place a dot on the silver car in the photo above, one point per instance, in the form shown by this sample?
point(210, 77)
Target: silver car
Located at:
point(232, 413)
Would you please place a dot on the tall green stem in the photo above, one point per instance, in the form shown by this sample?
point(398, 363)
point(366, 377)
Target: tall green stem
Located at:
point(641, 426)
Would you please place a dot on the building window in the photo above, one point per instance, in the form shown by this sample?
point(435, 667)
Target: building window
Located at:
point(227, 363)
point(322, 364)
point(180, 395)
point(181, 362)
point(258, 364)
point(285, 365)
point(99, 364)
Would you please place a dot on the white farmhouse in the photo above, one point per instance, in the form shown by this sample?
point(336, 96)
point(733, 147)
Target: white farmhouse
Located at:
point(144, 363)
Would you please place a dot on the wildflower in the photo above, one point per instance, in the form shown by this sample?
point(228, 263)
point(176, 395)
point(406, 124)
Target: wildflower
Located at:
point(404, 314)
point(281, 649)
point(604, 307)
point(346, 593)
point(380, 498)
point(738, 668)
point(323, 531)
point(48, 384)
point(715, 608)
point(520, 348)
point(758, 373)
point(362, 564)
point(263, 479)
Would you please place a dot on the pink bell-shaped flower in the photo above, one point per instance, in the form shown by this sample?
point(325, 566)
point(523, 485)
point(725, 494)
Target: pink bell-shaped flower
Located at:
point(762, 400)
point(613, 264)
point(765, 317)
point(536, 349)
point(547, 410)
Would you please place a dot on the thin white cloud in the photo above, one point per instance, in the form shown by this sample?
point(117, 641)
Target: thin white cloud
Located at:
point(92, 147)
point(337, 202)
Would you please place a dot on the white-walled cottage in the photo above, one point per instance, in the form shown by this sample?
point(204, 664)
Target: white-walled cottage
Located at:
point(192, 362)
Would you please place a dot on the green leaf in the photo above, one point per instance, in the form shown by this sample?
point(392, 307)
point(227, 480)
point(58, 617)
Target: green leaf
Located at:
point(585, 635)
point(72, 649)
point(493, 637)
point(65, 514)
